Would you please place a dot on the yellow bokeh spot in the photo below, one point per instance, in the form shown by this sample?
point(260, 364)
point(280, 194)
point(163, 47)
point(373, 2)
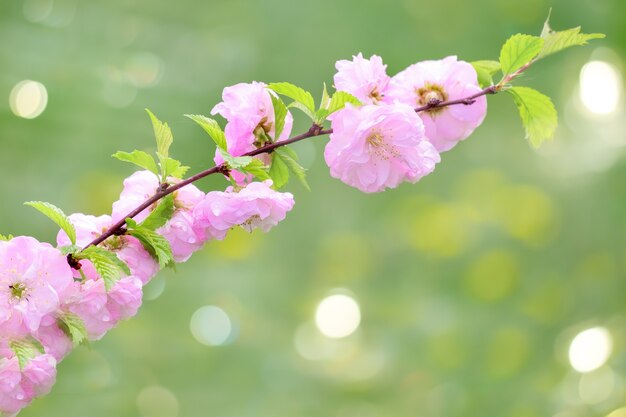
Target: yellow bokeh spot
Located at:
point(547, 303)
point(493, 276)
point(527, 214)
point(620, 412)
point(440, 229)
point(447, 350)
point(507, 352)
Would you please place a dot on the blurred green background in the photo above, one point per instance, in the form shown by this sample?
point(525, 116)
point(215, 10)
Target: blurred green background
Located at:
point(472, 284)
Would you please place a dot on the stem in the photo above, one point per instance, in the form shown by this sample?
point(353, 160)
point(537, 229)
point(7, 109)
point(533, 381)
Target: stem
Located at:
point(315, 130)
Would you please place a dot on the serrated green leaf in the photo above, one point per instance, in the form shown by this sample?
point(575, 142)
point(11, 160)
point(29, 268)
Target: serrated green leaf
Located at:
point(175, 168)
point(235, 162)
point(279, 172)
point(139, 158)
point(73, 327)
point(555, 41)
point(25, 350)
point(8, 237)
point(290, 159)
point(295, 93)
point(485, 71)
point(256, 168)
point(212, 128)
point(519, 50)
point(537, 113)
point(280, 112)
point(302, 108)
point(339, 100)
point(153, 242)
point(107, 264)
point(164, 140)
point(161, 214)
point(56, 215)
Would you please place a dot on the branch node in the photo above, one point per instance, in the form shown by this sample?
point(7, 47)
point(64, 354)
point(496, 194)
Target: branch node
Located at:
point(73, 262)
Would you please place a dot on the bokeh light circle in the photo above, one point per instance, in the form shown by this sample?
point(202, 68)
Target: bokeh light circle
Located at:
point(211, 326)
point(28, 99)
point(338, 316)
point(590, 349)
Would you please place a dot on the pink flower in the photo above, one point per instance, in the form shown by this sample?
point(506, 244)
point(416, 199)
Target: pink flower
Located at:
point(446, 79)
point(53, 339)
point(179, 230)
point(127, 248)
point(100, 310)
point(33, 279)
point(366, 79)
point(249, 111)
point(377, 147)
point(19, 387)
point(255, 206)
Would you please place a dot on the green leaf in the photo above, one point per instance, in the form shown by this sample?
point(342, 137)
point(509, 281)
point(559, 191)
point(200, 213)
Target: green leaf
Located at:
point(485, 71)
point(175, 168)
point(279, 172)
point(212, 128)
point(325, 101)
point(66, 250)
point(73, 327)
point(280, 112)
point(557, 41)
point(235, 162)
point(153, 242)
point(339, 100)
point(56, 215)
point(139, 158)
point(107, 264)
point(161, 214)
point(537, 112)
point(302, 108)
point(295, 93)
point(164, 140)
point(26, 349)
point(3, 237)
point(290, 159)
point(519, 50)
point(256, 168)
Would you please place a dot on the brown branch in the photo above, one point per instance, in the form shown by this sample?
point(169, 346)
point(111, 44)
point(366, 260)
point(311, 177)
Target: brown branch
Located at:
point(315, 130)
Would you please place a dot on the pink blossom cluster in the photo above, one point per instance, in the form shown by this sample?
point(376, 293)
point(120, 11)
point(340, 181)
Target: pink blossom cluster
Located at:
point(375, 146)
point(39, 289)
point(385, 142)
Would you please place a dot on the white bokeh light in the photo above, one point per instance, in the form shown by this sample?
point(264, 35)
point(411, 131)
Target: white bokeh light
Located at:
point(338, 316)
point(600, 87)
point(211, 326)
point(28, 99)
point(590, 349)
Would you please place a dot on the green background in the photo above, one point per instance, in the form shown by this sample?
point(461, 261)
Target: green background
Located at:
point(471, 283)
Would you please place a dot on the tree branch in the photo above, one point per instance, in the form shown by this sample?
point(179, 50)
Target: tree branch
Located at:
point(315, 130)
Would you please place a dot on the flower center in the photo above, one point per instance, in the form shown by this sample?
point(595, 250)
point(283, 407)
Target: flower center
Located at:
point(249, 224)
point(375, 95)
point(17, 290)
point(431, 93)
point(380, 148)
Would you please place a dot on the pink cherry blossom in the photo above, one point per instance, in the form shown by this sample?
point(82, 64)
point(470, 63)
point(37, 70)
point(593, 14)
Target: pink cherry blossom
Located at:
point(127, 248)
point(366, 79)
point(249, 111)
point(255, 206)
point(53, 339)
point(377, 147)
point(179, 230)
point(446, 79)
point(33, 279)
point(19, 387)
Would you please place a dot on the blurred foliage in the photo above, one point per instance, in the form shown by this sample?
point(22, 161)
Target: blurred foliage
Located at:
point(472, 283)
